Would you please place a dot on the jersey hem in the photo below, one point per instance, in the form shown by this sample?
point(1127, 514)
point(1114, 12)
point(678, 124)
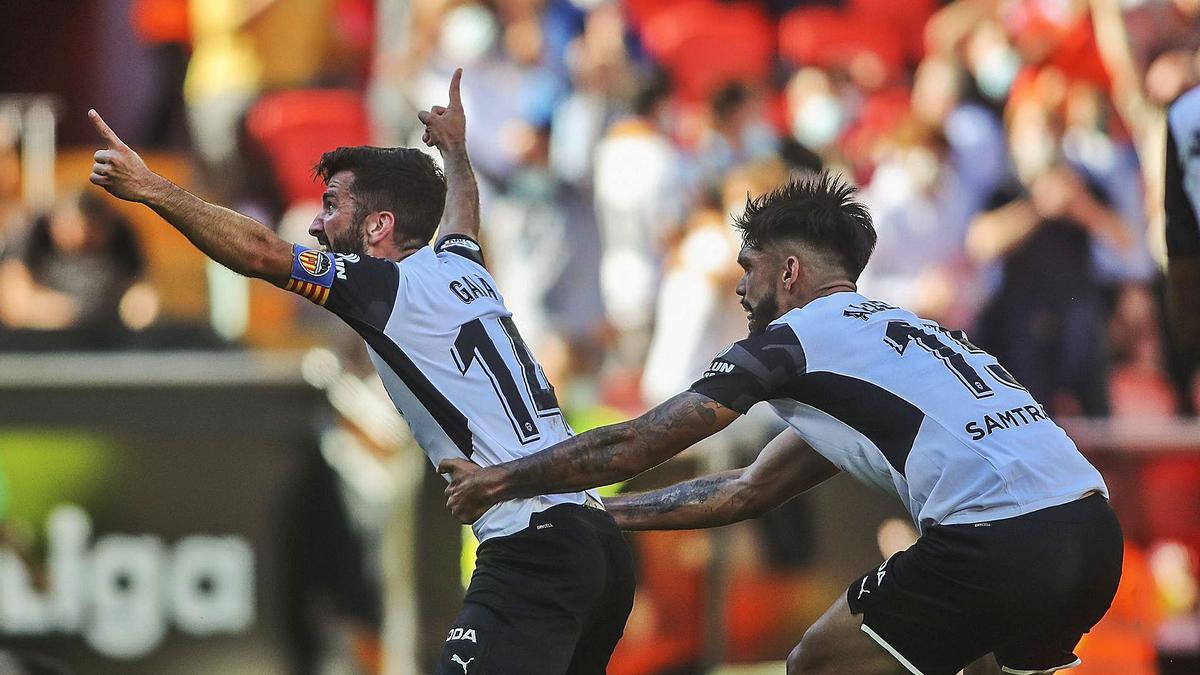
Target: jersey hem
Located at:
point(1020, 510)
point(538, 504)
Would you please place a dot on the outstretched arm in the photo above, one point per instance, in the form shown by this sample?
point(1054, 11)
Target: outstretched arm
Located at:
point(446, 129)
point(598, 457)
point(786, 467)
point(242, 244)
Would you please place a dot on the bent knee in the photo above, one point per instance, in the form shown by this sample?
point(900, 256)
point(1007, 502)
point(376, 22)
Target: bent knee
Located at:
point(806, 657)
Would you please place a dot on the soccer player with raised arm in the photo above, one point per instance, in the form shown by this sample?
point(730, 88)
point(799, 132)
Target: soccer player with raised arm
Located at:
point(553, 584)
point(1019, 553)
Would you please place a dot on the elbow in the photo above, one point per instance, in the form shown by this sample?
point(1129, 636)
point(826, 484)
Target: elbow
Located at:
point(753, 499)
point(269, 259)
point(749, 504)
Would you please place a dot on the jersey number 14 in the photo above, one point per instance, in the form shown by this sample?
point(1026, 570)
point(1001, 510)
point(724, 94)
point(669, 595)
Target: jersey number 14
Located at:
point(474, 344)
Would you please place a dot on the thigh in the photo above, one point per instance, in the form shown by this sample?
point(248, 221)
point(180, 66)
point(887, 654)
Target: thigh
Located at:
point(607, 622)
point(484, 641)
point(924, 609)
point(837, 643)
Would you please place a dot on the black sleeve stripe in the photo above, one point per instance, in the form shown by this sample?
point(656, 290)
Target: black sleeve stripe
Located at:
point(462, 245)
point(1183, 232)
point(755, 369)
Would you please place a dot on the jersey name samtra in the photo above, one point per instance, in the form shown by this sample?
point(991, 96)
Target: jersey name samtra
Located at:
point(449, 355)
point(908, 407)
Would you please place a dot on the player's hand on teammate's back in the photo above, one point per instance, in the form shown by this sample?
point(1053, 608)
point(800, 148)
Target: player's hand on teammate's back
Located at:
point(468, 494)
point(118, 169)
point(446, 127)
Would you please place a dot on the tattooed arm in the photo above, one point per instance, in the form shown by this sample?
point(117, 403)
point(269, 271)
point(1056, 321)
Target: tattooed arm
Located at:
point(598, 457)
point(786, 467)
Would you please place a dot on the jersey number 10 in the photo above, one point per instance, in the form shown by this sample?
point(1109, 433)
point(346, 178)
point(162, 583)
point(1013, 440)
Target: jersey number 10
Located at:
point(475, 344)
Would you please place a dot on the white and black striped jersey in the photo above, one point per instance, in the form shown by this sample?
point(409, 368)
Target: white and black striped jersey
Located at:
point(1182, 197)
point(449, 356)
point(906, 406)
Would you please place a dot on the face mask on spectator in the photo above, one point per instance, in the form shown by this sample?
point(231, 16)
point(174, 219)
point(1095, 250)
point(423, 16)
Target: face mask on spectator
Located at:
point(468, 32)
point(996, 71)
point(817, 120)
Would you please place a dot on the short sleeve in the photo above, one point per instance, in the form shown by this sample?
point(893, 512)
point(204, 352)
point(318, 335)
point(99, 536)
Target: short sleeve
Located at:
point(756, 369)
point(460, 244)
point(355, 287)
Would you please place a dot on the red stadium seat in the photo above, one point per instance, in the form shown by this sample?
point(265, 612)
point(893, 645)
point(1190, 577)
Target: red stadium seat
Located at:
point(704, 45)
point(827, 38)
point(907, 20)
point(295, 127)
point(641, 11)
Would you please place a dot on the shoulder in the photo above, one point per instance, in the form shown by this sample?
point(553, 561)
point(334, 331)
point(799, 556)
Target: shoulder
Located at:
point(774, 354)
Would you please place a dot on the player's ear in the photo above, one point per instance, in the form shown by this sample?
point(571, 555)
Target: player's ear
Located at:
point(380, 227)
point(791, 272)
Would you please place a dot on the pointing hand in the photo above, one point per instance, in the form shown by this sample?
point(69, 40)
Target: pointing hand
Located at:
point(118, 168)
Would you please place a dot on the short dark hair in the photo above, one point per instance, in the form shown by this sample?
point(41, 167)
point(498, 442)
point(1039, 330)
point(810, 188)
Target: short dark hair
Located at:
point(818, 211)
point(405, 181)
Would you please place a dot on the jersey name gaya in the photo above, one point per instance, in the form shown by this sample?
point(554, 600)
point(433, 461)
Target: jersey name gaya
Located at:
point(908, 407)
point(450, 357)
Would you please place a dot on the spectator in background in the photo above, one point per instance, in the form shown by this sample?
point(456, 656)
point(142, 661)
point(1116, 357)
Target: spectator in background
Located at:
point(737, 133)
point(1183, 223)
point(13, 217)
point(78, 268)
point(1046, 322)
point(922, 210)
point(164, 28)
point(223, 78)
point(640, 201)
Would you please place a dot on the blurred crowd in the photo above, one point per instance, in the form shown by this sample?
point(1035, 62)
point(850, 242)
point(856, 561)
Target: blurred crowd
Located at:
point(1011, 153)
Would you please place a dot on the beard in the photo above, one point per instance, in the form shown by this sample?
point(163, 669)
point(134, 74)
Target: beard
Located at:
point(350, 241)
point(762, 313)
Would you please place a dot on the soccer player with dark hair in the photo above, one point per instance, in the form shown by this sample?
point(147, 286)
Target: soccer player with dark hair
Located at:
point(553, 583)
point(1019, 553)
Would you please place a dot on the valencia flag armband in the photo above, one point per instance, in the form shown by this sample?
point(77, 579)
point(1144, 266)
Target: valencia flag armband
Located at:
point(313, 272)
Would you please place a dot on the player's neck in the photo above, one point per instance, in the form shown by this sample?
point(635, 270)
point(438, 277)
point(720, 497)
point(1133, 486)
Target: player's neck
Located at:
point(391, 251)
point(821, 290)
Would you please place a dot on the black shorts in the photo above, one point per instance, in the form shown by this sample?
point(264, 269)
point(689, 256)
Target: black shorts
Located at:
point(1024, 588)
point(550, 599)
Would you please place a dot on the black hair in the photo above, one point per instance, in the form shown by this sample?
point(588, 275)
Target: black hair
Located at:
point(651, 91)
point(818, 211)
point(726, 100)
point(405, 181)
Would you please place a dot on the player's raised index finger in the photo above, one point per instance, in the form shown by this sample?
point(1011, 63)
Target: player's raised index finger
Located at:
point(105, 131)
point(455, 93)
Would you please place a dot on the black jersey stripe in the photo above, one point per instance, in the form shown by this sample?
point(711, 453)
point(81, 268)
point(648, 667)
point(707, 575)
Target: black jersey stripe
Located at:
point(887, 420)
point(448, 417)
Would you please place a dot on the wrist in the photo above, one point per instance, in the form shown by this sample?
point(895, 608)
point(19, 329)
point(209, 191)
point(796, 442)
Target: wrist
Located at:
point(454, 151)
point(497, 484)
point(155, 190)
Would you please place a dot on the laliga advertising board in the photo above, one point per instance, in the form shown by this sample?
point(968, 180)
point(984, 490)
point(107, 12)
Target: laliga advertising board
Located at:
point(139, 513)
